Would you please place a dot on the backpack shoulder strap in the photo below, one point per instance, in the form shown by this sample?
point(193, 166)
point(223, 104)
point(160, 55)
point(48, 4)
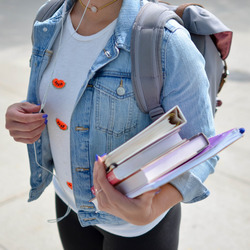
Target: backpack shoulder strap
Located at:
point(46, 11)
point(147, 78)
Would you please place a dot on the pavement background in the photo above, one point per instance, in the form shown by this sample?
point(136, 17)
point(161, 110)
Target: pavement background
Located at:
point(220, 222)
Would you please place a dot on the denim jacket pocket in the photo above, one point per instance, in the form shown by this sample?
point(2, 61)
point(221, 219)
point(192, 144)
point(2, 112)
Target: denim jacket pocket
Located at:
point(116, 112)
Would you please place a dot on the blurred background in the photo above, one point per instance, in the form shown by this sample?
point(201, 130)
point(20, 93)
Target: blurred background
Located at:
point(220, 222)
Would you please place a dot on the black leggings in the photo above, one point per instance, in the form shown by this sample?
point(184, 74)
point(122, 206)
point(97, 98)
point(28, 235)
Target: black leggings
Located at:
point(164, 236)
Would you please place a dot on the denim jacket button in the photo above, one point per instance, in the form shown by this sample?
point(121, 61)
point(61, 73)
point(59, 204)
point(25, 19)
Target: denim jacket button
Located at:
point(120, 91)
point(45, 29)
point(79, 169)
point(80, 128)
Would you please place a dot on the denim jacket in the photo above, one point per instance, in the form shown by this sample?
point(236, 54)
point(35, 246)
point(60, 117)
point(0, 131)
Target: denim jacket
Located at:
point(104, 118)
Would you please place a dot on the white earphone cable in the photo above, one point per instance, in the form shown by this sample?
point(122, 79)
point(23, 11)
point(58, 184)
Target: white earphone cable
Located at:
point(44, 100)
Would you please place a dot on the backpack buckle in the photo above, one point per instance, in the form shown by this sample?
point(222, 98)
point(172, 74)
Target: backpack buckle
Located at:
point(155, 113)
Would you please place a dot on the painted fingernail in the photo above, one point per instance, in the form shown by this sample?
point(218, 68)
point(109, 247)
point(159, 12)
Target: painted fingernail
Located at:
point(45, 116)
point(158, 191)
point(103, 155)
point(46, 121)
point(96, 157)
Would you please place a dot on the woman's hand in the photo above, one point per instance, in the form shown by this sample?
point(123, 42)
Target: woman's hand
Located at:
point(24, 122)
point(140, 210)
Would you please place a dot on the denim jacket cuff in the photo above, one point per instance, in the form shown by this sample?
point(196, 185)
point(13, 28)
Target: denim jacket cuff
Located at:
point(190, 187)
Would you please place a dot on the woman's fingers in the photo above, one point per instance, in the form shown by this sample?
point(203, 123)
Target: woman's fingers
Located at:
point(24, 123)
point(25, 127)
point(106, 194)
point(137, 211)
point(23, 113)
point(27, 137)
point(103, 182)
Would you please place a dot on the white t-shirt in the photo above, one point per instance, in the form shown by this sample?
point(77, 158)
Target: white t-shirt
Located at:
point(65, 76)
point(61, 84)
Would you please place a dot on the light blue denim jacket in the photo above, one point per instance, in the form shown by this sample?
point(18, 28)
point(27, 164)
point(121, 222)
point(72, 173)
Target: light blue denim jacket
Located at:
point(104, 118)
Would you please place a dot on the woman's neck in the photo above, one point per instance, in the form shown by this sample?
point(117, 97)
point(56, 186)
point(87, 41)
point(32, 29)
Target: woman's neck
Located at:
point(94, 21)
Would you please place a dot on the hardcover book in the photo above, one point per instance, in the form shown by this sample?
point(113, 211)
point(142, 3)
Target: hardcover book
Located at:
point(167, 162)
point(166, 124)
point(158, 154)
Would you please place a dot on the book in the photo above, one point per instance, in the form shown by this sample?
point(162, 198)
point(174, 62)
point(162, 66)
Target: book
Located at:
point(143, 157)
point(167, 123)
point(167, 162)
point(216, 145)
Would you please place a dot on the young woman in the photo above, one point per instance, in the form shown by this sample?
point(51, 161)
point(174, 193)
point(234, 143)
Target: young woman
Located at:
point(79, 64)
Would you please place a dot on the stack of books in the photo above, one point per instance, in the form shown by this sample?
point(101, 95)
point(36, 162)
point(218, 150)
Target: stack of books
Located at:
point(159, 154)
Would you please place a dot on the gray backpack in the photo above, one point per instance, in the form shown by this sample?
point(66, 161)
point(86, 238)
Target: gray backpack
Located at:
point(209, 34)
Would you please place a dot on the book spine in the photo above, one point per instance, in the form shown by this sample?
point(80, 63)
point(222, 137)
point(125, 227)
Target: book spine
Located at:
point(112, 178)
point(93, 190)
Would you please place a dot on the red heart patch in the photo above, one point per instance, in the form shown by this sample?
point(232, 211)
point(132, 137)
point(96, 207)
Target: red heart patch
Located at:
point(59, 84)
point(70, 185)
point(62, 125)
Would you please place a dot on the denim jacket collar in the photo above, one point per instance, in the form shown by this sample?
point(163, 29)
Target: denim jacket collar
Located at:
point(122, 34)
point(125, 22)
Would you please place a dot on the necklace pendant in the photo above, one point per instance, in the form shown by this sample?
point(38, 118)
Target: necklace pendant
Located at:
point(93, 8)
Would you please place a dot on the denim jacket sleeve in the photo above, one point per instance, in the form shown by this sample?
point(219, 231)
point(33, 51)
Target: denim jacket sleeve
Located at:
point(186, 85)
